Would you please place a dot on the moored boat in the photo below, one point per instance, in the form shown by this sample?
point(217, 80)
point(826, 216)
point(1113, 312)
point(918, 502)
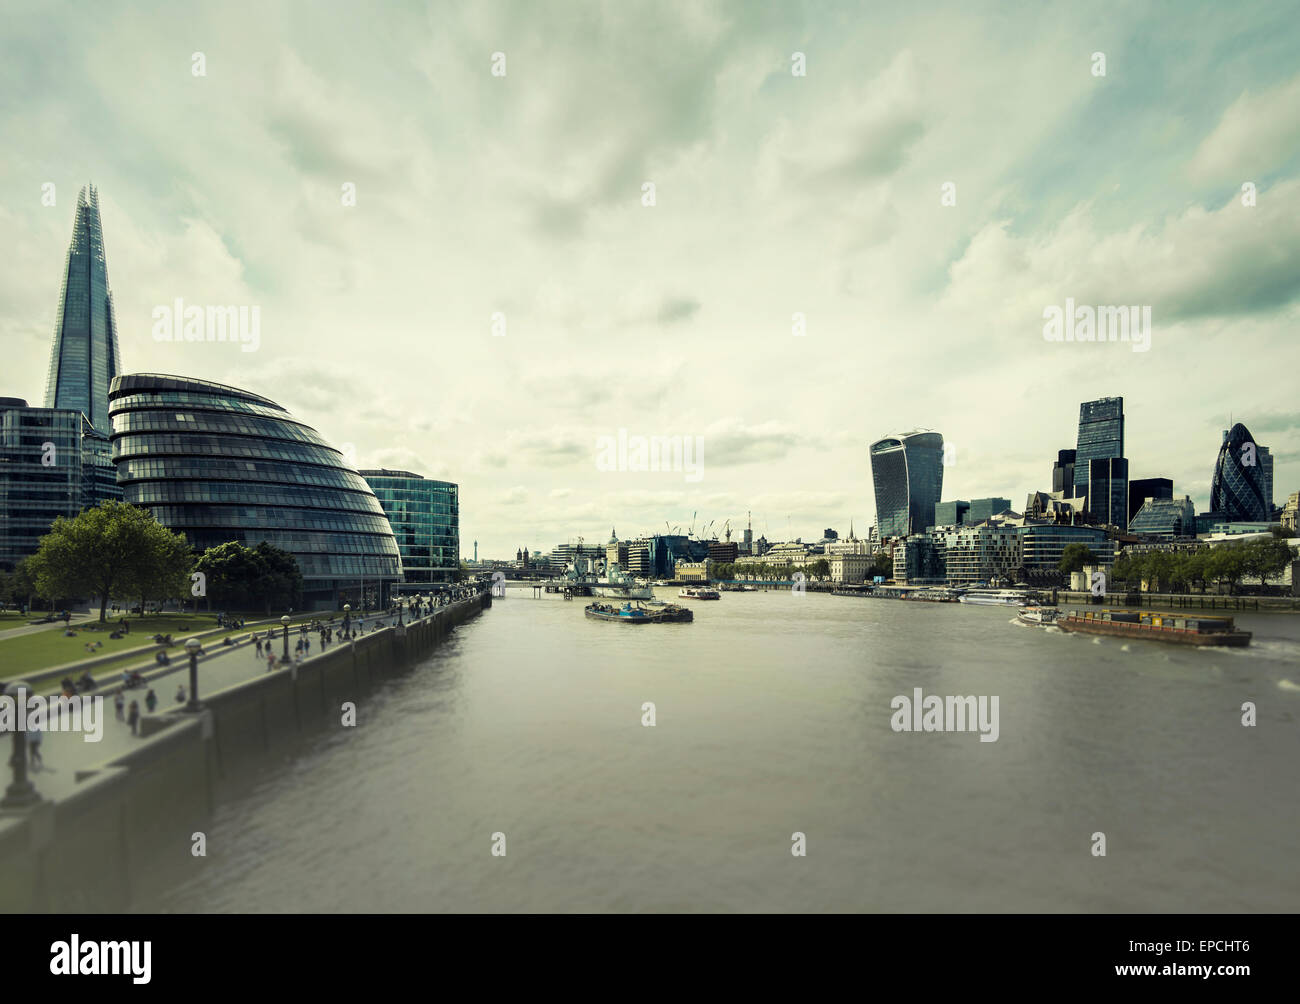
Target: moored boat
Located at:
point(1152, 625)
point(698, 593)
point(666, 613)
point(995, 597)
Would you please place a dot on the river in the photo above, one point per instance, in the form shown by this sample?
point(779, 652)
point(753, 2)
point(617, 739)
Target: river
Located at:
point(773, 717)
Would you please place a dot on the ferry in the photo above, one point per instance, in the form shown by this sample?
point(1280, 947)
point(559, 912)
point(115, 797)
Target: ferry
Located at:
point(664, 613)
point(1156, 626)
point(699, 593)
point(996, 597)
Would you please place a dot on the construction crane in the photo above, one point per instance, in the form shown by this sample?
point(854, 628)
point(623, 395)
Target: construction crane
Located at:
point(726, 530)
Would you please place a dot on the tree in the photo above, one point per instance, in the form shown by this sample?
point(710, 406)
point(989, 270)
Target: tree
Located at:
point(240, 577)
point(1074, 557)
point(820, 569)
point(98, 552)
point(164, 570)
point(1226, 564)
point(1267, 558)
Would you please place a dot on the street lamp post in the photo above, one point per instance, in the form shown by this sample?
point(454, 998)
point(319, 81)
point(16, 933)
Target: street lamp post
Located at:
point(285, 621)
point(347, 620)
point(192, 647)
point(21, 793)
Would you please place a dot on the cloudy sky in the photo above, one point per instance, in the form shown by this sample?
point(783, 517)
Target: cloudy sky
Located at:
point(774, 195)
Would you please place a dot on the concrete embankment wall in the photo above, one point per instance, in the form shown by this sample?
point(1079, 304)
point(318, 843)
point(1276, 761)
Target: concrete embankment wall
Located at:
point(135, 815)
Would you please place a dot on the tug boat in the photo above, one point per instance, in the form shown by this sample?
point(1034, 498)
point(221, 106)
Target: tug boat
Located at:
point(1038, 616)
point(666, 613)
point(698, 593)
point(1156, 626)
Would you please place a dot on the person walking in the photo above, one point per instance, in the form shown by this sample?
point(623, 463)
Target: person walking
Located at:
point(259, 646)
point(151, 701)
point(270, 659)
point(34, 736)
point(133, 718)
point(119, 703)
point(180, 695)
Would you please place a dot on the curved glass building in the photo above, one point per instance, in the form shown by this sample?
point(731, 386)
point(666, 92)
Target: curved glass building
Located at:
point(908, 475)
point(1242, 489)
point(222, 464)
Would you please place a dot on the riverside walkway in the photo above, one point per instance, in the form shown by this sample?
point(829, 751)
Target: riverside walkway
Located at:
point(65, 754)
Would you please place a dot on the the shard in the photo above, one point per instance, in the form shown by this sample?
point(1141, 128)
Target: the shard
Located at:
point(85, 357)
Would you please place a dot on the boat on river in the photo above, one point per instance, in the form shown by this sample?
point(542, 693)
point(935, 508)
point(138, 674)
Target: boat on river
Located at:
point(698, 593)
point(659, 613)
point(1153, 625)
point(1038, 616)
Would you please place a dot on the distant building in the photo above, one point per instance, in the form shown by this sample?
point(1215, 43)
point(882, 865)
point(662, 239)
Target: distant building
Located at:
point(693, 571)
point(849, 568)
point(951, 513)
point(919, 560)
point(1101, 437)
point(1141, 489)
point(1043, 544)
point(53, 463)
point(976, 554)
point(1063, 473)
point(985, 509)
point(1107, 491)
point(1164, 517)
point(221, 464)
point(1291, 512)
point(85, 358)
point(425, 517)
point(1241, 488)
point(723, 551)
point(907, 472)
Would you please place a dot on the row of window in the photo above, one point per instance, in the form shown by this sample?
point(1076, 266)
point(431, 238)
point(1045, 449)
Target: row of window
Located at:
point(200, 469)
point(217, 446)
point(179, 517)
point(216, 423)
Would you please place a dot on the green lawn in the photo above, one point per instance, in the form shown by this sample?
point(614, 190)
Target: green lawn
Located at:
point(47, 649)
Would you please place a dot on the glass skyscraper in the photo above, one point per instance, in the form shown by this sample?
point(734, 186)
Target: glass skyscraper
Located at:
point(222, 464)
point(425, 516)
point(908, 474)
point(1101, 438)
point(84, 358)
point(1241, 489)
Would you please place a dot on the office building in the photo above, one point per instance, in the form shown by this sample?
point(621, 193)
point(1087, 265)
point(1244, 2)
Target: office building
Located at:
point(1101, 437)
point(907, 472)
point(1241, 489)
point(1042, 545)
point(1107, 491)
point(425, 517)
point(84, 358)
point(1141, 489)
point(222, 464)
point(951, 513)
point(985, 509)
point(1063, 473)
point(1164, 517)
point(977, 554)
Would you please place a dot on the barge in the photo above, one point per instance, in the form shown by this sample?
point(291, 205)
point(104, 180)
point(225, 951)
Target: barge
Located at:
point(1156, 626)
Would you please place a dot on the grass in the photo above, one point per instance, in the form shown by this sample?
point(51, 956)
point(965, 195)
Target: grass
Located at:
point(47, 649)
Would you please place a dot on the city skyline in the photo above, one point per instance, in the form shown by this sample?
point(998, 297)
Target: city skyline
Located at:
point(776, 195)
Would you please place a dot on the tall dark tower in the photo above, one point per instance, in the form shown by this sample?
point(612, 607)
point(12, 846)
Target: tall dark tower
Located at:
point(84, 359)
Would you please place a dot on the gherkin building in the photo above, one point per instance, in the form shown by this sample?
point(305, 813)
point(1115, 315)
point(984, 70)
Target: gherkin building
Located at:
point(1241, 489)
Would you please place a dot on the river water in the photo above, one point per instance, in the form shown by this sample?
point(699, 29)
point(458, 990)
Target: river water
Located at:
point(773, 717)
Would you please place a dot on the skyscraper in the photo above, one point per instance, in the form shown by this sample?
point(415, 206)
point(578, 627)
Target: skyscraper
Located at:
point(84, 359)
point(1101, 438)
point(1242, 486)
point(908, 474)
point(425, 516)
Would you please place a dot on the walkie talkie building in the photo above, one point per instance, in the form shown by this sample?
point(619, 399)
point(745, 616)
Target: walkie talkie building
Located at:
point(908, 474)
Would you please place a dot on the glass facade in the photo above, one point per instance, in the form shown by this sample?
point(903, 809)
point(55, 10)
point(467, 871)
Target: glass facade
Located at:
point(983, 509)
point(951, 513)
point(41, 474)
point(1108, 491)
point(425, 516)
point(1165, 517)
point(1141, 489)
point(84, 359)
point(1063, 473)
point(908, 474)
point(1101, 437)
point(221, 464)
point(975, 554)
point(1041, 545)
point(1242, 486)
